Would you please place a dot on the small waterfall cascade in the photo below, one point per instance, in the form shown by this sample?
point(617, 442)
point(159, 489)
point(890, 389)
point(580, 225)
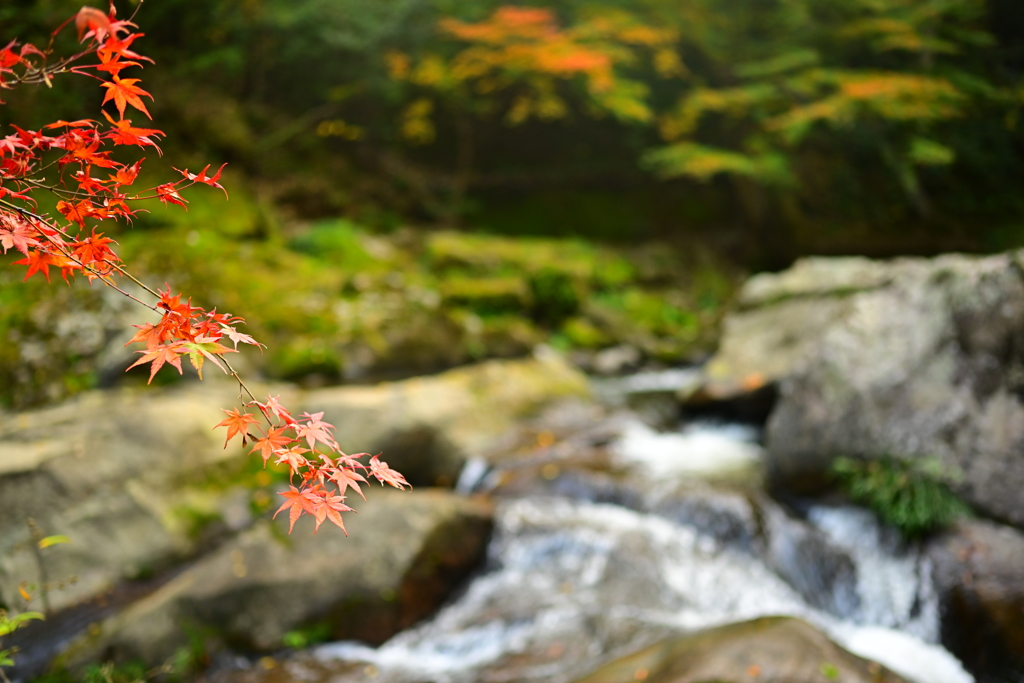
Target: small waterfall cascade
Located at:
point(571, 583)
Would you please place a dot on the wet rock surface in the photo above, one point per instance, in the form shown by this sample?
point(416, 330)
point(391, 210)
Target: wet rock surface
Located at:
point(979, 572)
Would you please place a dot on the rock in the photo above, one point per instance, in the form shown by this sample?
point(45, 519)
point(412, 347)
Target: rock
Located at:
point(767, 650)
point(728, 516)
point(915, 358)
point(428, 426)
point(404, 555)
point(617, 360)
point(106, 469)
point(979, 574)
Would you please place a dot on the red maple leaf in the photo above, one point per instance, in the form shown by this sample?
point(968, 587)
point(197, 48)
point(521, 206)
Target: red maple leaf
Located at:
point(91, 22)
point(201, 177)
point(273, 407)
point(167, 353)
point(328, 508)
point(148, 333)
point(77, 213)
point(125, 134)
point(313, 429)
point(237, 423)
point(168, 194)
point(385, 474)
point(117, 48)
point(17, 234)
point(39, 261)
point(124, 92)
point(94, 249)
point(274, 440)
point(126, 175)
point(294, 457)
point(347, 478)
point(305, 500)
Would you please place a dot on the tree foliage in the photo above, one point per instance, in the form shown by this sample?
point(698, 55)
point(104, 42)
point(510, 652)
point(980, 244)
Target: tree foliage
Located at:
point(796, 114)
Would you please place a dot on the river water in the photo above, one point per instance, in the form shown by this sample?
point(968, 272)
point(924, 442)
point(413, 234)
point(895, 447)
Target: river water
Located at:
point(570, 582)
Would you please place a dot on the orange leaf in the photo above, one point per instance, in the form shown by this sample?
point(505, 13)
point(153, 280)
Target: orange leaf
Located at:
point(90, 20)
point(237, 423)
point(305, 500)
point(168, 353)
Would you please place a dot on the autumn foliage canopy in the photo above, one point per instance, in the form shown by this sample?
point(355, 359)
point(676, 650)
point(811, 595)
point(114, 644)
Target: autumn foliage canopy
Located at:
point(74, 161)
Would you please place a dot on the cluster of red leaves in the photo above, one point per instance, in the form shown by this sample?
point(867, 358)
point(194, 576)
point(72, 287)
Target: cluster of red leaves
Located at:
point(77, 152)
point(307, 447)
point(91, 187)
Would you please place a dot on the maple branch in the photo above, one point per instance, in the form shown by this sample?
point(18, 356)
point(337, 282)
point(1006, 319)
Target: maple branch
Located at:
point(102, 276)
point(49, 241)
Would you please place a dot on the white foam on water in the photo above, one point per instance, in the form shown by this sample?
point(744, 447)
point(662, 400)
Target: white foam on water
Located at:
point(903, 653)
point(602, 578)
point(700, 449)
point(894, 581)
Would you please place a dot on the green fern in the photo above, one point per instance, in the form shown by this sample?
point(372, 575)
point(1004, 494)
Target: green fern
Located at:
point(912, 495)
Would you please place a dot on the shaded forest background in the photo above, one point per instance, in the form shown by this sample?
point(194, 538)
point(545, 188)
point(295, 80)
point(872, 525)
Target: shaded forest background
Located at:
point(417, 184)
point(764, 128)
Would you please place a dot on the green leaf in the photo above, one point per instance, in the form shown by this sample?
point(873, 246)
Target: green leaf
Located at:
point(788, 61)
point(10, 624)
point(924, 152)
point(53, 540)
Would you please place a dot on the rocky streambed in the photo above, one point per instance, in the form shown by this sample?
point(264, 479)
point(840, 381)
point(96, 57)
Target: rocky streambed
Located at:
point(666, 526)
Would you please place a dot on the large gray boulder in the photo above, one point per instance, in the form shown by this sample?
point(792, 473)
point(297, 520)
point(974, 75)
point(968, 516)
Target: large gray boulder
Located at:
point(131, 475)
point(109, 471)
point(427, 427)
point(915, 358)
point(404, 554)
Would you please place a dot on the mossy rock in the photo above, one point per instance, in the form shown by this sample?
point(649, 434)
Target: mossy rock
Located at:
point(487, 253)
point(487, 295)
point(770, 649)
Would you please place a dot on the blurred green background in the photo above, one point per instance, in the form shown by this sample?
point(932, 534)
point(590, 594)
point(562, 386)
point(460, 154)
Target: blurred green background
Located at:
point(419, 183)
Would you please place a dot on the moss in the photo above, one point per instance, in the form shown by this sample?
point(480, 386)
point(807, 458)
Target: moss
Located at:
point(488, 254)
point(556, 296)
point(486, 296)
point(338, 241)
point(582, 333)
point(50, 336)
point(304, 356)
point(306, 636)
point(196, 520)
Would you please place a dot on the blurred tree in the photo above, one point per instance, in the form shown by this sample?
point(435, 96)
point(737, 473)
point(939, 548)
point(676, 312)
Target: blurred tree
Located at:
point(823, 125)
point(519, 64)
point(896, 77)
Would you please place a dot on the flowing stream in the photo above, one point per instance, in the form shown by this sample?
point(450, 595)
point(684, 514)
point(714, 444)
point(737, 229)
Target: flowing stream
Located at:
point(571, 583)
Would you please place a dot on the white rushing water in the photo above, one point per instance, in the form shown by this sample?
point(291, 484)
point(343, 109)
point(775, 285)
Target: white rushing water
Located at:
point(565, 568)
point(700, 448)
point(571, 583)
